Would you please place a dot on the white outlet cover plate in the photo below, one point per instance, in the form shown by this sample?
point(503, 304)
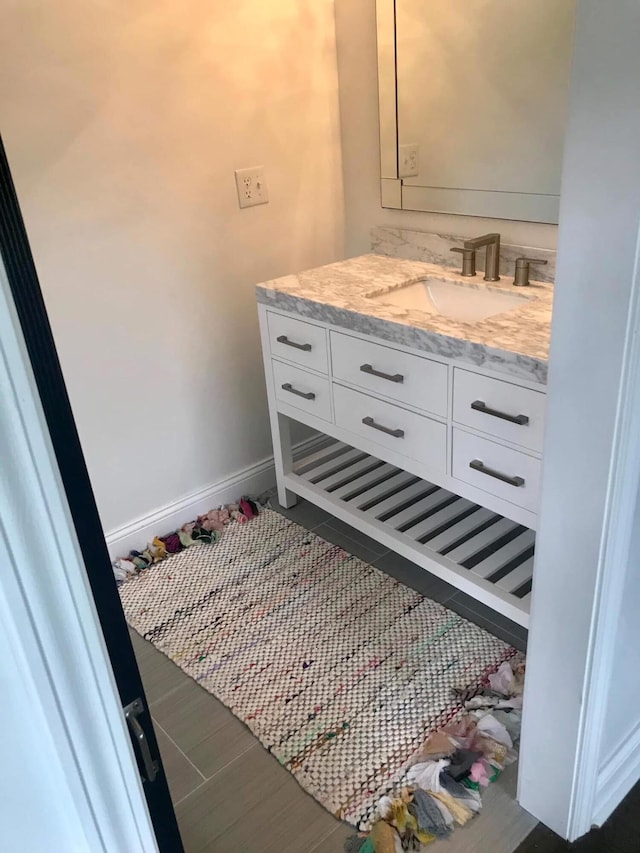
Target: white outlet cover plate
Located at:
point(408, 161)
point(252, 186)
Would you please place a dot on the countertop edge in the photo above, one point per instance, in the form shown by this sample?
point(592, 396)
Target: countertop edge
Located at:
point(475, 354)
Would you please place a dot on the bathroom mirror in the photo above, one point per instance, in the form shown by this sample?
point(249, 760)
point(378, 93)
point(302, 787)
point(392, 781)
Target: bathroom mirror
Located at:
point(473, 105)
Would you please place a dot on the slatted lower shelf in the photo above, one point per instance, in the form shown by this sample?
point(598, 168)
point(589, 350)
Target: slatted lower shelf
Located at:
point(478, 551)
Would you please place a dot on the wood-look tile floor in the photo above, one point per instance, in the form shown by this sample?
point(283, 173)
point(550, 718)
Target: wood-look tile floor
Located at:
point(231, 796)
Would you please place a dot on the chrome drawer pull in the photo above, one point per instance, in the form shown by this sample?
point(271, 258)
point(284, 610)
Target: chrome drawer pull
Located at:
point(479, 406)
point(477, 465)
point(307, 395)
point(283, 339)
point(396, 433)
point(395, 377)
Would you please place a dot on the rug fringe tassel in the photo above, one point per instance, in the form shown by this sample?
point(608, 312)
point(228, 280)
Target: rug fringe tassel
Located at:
point(206, 529)
point(445, 776)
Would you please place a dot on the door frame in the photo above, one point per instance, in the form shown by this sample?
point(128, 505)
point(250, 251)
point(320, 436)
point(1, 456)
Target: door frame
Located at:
point(61, 588)
point(591, 454)
point(47, 607)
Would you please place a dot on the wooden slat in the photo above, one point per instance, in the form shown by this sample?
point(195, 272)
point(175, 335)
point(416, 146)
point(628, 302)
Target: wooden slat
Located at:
point(443, 516)
point(481, 540)
point(410, 493)
point(415, 510)
point(327, 444)
point(457, 531)
point(516, 578)
point(323, 454)
point(378, 476)
point(350, 473)
point(353, 479)
point(326, 469)
point(393, 484)
point(495, 561)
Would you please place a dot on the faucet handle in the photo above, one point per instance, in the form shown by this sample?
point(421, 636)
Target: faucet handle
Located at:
point(521, 278)
point(468, 260)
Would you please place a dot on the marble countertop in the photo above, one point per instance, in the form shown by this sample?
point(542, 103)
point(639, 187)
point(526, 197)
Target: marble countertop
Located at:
point(515, 342)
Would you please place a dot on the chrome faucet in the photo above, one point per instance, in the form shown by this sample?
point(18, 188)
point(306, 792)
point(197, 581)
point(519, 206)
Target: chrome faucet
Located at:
point(492, 254)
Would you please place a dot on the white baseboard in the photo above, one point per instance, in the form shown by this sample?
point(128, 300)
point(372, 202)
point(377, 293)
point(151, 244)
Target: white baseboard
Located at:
point(618, 776)
point(249, 481)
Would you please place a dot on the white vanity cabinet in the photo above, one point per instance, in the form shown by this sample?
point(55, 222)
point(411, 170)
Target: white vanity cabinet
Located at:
point(435, 458)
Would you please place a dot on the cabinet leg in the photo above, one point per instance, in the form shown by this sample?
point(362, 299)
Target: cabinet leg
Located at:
point(286, 499)
point(283, 458)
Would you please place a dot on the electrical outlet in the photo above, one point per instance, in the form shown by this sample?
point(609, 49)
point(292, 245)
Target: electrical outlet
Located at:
point(252, 187)
point(408, 161)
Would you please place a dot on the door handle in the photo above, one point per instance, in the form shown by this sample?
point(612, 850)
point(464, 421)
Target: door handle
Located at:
point(131, 713)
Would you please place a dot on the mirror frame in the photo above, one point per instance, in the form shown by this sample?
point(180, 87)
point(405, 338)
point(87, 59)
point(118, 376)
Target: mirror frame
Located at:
point(527, 207)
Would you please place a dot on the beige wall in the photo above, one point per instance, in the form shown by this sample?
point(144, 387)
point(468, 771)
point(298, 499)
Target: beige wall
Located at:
point(356, 38)
point(123, 123)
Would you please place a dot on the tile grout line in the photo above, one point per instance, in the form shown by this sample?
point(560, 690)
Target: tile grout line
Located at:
point(183, 754)
point(495, 630)
point(471, 607)
point(432, 596)
point(193, 790)
point(347, 535)
point(472, 610)
point(370, 559)
point(219, 770)
point(239, 755)
point(169, 692)
point(325, 837)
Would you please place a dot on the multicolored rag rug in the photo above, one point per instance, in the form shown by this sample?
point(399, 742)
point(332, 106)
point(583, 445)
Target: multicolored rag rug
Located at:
point(340, 670)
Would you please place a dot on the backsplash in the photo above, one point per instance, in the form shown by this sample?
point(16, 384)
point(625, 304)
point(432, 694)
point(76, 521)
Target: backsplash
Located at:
point(436, 249)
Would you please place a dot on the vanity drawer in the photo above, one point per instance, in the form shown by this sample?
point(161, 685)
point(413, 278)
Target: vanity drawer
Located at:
point(298, 341)
point(477, 461)
point(302, 390)
point(499, 408)
point(386, 424)
point(410, 379)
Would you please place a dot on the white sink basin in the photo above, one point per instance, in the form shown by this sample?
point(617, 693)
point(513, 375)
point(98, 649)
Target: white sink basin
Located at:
point(463, 302)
